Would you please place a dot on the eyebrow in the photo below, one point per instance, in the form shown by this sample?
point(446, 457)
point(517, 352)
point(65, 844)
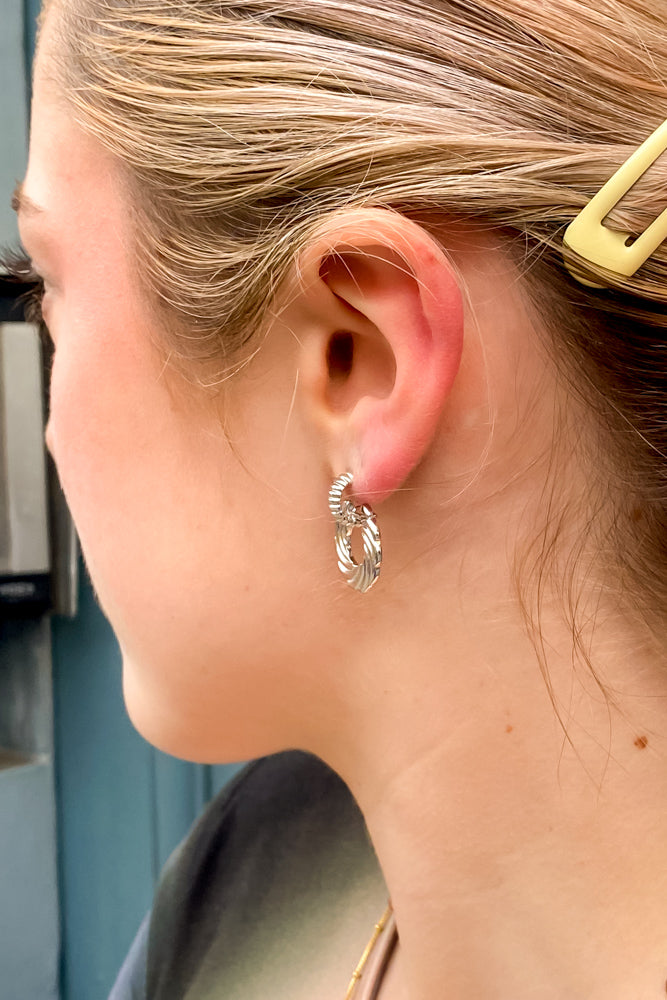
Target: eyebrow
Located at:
point(21, 203)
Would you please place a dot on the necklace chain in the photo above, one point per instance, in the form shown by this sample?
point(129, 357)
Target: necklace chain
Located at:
point(361, 965)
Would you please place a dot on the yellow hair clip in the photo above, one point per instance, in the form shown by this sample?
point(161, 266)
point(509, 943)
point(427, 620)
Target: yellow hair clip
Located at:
point(596, 243)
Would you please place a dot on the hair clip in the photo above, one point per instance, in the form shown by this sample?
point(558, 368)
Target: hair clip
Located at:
point(617, 251)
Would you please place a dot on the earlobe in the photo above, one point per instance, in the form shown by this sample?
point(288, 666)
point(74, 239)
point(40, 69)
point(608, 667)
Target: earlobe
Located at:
point(391, 310)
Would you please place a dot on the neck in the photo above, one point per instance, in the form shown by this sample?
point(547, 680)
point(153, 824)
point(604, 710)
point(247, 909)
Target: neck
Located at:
point(525, 855)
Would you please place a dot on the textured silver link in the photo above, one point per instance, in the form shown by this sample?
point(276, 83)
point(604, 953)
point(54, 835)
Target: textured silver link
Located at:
point(360, 576)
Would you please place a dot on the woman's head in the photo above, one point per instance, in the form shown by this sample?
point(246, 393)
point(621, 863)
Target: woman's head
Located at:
point(258, 151)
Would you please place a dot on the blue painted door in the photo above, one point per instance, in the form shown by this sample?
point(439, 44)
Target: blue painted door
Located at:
point(29, 936)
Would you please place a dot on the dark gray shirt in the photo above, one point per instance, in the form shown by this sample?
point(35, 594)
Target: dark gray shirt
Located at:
point(246, 904)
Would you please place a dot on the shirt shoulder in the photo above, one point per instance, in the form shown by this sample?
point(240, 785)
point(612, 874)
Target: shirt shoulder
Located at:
point(266, 854)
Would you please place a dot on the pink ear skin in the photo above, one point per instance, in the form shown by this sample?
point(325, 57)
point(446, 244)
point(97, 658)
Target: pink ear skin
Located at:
point(403, 349)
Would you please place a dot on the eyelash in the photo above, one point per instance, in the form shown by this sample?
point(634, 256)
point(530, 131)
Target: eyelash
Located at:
point(17, 267)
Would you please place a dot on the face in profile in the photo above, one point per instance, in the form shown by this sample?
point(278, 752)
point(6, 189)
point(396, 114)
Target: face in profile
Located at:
point(177, 493)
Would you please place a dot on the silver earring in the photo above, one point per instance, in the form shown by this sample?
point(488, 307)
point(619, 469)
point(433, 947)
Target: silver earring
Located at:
point(362, 575)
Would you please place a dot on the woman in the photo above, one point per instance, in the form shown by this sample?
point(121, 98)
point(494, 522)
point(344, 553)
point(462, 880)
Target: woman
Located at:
point(282, 245)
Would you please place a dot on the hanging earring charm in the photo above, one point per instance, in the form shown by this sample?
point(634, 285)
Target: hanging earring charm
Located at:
point(362, 575)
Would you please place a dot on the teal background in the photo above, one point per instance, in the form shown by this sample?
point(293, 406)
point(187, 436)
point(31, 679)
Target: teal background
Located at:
point(31, 9)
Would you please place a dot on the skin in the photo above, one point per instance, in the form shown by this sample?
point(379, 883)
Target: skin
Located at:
point(511, 854)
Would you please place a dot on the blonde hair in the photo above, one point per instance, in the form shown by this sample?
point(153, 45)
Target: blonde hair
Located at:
point(241, 124)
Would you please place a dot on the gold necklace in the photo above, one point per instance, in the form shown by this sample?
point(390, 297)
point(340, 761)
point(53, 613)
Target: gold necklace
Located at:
point(377, 930)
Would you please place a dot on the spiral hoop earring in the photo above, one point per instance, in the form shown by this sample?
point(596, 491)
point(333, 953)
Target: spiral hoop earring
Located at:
point(360, 576)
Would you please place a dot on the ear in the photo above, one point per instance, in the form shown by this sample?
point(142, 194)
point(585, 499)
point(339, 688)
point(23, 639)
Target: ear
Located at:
point(381, 327)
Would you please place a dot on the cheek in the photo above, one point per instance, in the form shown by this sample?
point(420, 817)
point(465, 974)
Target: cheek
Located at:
point(151, 490)
point(96, 411)
point(110, 417)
